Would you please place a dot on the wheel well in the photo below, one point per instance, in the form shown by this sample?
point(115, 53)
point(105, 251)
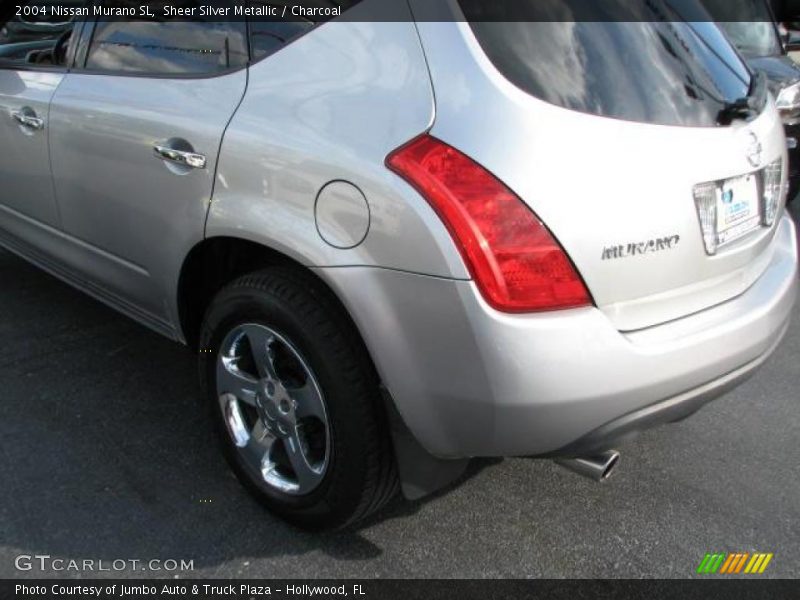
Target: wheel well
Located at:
point(210, 266)
point(215, 262)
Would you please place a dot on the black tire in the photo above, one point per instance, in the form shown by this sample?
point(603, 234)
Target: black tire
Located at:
point(361, 474)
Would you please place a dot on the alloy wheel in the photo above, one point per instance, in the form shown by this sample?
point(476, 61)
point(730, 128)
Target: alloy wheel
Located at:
point(273, 409)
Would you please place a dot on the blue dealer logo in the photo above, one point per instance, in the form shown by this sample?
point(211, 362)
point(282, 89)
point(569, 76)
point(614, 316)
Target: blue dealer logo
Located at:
point(727, 196)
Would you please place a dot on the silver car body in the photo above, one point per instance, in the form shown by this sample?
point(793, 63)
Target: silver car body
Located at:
point(86, 200)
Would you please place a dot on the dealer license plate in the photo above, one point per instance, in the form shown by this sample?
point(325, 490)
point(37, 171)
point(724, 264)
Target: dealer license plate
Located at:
point(738, 208)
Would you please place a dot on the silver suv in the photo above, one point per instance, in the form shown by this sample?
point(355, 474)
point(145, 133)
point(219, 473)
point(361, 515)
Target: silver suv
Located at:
point(421, 232)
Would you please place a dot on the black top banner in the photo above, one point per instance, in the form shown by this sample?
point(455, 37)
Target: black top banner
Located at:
point(43, 12)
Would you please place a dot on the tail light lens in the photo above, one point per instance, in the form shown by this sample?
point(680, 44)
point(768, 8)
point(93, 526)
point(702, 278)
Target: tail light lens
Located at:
point(705, 198)
point(514, 260)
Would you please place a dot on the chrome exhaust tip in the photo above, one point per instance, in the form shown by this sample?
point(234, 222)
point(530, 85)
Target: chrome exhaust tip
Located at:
point(597, 467)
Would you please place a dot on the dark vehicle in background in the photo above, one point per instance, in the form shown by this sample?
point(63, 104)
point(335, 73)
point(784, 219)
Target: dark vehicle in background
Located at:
point(751, 26)
point(785, 11)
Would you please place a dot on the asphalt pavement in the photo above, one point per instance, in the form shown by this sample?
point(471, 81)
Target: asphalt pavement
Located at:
point(106, 454)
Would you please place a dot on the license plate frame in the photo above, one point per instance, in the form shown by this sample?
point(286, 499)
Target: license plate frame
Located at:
point(738, 208)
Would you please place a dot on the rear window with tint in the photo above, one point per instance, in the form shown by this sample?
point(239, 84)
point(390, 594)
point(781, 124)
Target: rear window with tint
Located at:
point(623, 59)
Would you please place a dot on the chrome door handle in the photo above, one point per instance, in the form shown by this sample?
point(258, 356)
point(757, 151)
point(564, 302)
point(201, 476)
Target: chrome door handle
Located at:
point(189, 159)
point(28, 120)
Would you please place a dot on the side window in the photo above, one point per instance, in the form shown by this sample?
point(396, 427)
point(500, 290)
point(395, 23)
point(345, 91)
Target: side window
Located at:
point(169, 46)
point(268, 34)
point(32, 35)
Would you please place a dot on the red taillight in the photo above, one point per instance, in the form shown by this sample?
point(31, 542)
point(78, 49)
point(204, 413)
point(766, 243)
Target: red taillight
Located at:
point(514, 260)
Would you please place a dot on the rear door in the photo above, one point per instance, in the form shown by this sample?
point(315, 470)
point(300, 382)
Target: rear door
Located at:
point(135, 133)
point(30, 72)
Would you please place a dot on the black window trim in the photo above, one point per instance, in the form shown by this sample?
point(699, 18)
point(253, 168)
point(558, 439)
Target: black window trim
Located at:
point(313, 27)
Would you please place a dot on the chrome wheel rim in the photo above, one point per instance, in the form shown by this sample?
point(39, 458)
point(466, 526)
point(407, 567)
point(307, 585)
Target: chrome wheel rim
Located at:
point(273, 409)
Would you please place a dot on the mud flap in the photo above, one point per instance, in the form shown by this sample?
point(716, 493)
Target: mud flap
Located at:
point(421, 473)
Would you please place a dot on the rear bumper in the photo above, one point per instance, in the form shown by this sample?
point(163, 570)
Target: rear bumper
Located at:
point(470, 381)
point(667, 411)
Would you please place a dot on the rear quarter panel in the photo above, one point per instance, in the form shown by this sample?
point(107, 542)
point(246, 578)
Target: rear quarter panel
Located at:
point(331, 106)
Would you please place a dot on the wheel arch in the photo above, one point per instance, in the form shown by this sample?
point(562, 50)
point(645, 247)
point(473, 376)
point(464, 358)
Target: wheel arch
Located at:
point(213, 263)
